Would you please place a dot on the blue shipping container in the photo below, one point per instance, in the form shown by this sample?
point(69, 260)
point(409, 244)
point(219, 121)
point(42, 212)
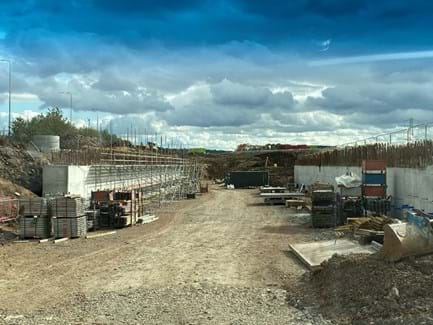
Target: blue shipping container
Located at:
point(373, 178)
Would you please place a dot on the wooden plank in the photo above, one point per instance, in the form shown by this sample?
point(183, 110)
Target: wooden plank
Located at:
point(282, 195)
point(101, 234)
point(60, 240)
point(46, 240)
point(150, 220)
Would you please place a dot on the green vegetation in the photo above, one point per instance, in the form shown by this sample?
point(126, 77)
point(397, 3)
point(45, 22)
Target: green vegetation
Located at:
point(197, 150)
point(54, 123)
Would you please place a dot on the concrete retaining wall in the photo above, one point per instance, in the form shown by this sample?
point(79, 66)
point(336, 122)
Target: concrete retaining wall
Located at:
point(413, 186)
point(82, 180)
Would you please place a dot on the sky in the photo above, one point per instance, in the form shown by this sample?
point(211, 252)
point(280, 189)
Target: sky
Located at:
point(219, 73)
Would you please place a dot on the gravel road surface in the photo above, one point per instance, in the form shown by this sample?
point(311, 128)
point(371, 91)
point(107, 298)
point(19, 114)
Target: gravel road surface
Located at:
point(219, 259)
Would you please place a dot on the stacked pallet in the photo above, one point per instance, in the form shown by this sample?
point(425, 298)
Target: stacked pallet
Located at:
point(34, 227)
point(69, 219)
point(69, 227)
point(323, 202)
point(34, 221)
point(34, 207)
point(67, 207)
point(374, 178)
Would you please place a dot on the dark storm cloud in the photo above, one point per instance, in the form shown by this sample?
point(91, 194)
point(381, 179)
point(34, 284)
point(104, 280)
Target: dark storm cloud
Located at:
point(234, 94)
point(134, 57)
point(293, 23)
point(374, 98)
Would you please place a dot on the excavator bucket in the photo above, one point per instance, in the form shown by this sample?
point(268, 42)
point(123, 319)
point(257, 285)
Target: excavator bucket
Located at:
point(411, 238)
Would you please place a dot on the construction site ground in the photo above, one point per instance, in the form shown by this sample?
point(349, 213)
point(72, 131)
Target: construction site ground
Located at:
point(219, 259)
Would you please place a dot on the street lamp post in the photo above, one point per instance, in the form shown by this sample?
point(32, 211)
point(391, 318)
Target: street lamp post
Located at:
point(10, 91)
point(70, 104)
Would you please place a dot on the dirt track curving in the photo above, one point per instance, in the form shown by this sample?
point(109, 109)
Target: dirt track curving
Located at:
point(219, 259)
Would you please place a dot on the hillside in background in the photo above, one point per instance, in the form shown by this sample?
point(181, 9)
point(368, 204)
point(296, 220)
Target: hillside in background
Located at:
point(280, 164)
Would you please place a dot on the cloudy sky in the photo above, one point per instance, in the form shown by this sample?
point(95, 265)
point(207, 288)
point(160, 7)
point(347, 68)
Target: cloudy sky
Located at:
point(219, 73)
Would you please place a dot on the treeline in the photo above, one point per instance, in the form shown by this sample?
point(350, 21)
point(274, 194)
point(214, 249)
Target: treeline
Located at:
point(54, 123)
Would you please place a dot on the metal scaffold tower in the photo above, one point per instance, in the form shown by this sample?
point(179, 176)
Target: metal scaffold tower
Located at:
point(160, 178)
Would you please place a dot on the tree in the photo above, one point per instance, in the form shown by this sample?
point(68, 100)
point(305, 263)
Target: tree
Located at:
point(21, 130)
point(54, 123)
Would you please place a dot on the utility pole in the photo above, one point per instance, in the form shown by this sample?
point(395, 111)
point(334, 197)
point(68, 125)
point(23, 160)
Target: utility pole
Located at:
point(70, 104)
point(410, 131)
point(97, 127)
point(111, 141)
point(10, 93)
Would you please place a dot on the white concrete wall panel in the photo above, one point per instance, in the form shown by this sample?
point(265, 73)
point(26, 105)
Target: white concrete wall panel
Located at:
point(54, 179)
point(82, 180)
point(412, 186)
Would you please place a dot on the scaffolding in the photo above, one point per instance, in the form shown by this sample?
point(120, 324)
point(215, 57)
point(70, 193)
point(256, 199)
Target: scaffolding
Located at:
point(156, 177)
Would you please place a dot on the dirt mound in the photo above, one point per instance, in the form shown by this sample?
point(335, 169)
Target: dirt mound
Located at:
point(18, 166)
point(363, 289)
point(7, 188)
point(279, 164)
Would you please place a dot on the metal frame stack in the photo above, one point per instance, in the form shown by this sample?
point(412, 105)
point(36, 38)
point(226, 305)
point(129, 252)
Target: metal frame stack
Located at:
point(323, 203)
point(118, 208)
point(34, 221)
point(374, 178)
point(374, 186)
point(92, 219)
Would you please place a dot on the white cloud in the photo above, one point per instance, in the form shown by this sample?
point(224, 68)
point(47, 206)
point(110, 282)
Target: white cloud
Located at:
point(222, 95)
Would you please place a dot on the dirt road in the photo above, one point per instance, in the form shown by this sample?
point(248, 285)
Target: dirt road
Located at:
point(219, 259)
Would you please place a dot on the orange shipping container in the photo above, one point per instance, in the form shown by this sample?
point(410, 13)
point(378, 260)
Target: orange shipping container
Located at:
point(373, 165)
point(374, 191)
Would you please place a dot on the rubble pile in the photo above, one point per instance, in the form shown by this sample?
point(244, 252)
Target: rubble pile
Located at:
point(358, 288)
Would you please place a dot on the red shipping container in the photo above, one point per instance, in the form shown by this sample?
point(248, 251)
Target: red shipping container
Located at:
point(102, 195)
point(374, 191)
point(373, 165)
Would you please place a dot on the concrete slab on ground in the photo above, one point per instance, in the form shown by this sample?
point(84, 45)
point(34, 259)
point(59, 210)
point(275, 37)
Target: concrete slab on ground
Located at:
point(314, 253)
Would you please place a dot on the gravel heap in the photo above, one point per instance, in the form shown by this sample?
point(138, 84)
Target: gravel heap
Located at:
point(363, 289)
point(197, 303)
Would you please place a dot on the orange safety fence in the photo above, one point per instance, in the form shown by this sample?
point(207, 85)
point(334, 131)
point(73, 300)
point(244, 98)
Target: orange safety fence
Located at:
point(9, 209)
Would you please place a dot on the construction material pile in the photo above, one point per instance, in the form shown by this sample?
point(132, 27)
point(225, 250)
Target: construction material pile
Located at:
point(323, 206)
point(367, 229)
point(67, 207)
point(69, 219)
point(363, 289)
point(36, 206)
point(370, 224)
point(34, 227)
point(34, 219)
point(69, 227)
